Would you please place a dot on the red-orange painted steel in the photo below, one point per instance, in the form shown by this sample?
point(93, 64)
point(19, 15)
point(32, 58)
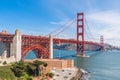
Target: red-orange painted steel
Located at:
point(6, 38)
point(41, 51)
point(40, 43)
point(36, 43)
point(80, 34)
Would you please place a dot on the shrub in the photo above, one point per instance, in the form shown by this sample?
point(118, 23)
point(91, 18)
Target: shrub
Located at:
point(50, 75)
point(4, 63)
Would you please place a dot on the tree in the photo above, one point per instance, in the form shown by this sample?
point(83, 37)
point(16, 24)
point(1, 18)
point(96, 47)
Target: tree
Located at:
point(37, 64)
point(45, 64)
point(23, 70)
point(18, 68)
point(4, 63)
point(50, 75)
point(25, 77)
point(31, 69)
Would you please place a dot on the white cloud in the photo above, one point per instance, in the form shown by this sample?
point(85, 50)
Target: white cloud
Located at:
point(66, 22)
point(110, 24)
point(107, 17)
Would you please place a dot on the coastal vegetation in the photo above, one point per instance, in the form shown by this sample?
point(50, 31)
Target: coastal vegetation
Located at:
point(25, 71)
point(6, 73)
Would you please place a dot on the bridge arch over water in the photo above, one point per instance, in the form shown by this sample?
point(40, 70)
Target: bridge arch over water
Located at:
point(39, 50)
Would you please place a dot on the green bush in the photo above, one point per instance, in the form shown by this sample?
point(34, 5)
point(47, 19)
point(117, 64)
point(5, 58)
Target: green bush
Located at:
point(50, 75)
point(25, 77)
point(45, 64)
point(4, 63)
point(19, 68)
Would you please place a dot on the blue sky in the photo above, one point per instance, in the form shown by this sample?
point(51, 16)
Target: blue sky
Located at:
point(40, 17)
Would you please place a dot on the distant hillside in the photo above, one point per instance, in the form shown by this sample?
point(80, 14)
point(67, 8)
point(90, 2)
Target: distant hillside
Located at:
point(87, 47)
point(65, 46)
point(110, 47)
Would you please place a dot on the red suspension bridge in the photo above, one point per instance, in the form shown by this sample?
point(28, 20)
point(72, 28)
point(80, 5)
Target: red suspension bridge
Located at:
point(19, 45)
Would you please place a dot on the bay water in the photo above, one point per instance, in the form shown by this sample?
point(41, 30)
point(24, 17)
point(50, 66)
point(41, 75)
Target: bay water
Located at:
point(102, 65)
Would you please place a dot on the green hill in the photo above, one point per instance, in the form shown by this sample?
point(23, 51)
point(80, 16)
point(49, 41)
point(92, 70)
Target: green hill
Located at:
point(6, 73)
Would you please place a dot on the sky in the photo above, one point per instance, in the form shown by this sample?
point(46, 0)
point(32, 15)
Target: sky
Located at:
point(40, 17)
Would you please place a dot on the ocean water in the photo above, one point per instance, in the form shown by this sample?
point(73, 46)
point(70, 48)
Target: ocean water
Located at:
point(101, 65)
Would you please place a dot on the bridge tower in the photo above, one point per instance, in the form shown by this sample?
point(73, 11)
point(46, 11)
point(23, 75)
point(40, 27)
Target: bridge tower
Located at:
point(80, 34)
point(15, 48)
point(102, 41)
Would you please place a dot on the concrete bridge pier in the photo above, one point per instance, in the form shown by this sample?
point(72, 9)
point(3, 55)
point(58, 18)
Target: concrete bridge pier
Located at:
point(51, 46)
point(15, 46)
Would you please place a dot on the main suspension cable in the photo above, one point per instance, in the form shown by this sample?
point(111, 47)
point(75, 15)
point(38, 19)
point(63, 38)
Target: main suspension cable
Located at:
point(68, 26)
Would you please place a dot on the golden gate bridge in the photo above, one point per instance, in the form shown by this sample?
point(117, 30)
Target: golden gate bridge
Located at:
point(20, 45)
